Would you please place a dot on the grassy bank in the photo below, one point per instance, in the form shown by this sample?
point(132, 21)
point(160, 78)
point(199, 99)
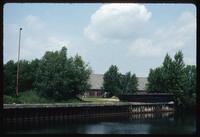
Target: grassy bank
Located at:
point(31, 97)
point(100, 99)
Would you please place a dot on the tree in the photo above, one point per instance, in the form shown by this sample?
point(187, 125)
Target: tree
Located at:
point(156, 80)
point(50, 82)
point(174, 77)
point(27, 73)
point(165, 74)
point(9, 71)
point(159, 78)
point(177, 80)
point(190, 86)
point(80, 73)
point(61, 78)
point(134, 83)
point(25, 77)
point(34, 66)
point(129, 83)
point(111, 82)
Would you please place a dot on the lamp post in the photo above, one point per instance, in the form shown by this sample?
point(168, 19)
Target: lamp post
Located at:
point(17, 85)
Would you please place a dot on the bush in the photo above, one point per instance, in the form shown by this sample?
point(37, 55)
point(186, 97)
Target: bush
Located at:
point(31, 97)
point(27, 97)
point(8, 99)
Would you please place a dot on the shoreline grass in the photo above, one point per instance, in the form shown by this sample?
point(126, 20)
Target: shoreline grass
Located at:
point(31, 97)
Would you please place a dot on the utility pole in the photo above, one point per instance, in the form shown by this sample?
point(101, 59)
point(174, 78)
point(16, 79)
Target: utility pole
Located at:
point(17, 85)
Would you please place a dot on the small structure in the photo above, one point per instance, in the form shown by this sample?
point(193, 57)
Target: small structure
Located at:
point(146, 98)
point(96, 82)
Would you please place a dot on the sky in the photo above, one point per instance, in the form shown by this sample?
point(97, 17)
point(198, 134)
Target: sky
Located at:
point(135, 37)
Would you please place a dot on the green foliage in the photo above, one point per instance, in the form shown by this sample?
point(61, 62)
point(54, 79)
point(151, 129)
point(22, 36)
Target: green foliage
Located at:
point(8, 99)
point(166, 77)
point(9, 72)
point(61, 78)
point(155, 79)
point(24, 76)
point(111, 82)
point(129, 83)
point(174, 77)
point(27, 97)
point(50, 75)
point(55, 76)
point(115, 83)
point(80, 75)
point(190, 86)
point(27, 75)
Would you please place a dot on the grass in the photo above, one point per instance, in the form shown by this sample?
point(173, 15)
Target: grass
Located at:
point(28, 97)
point(92, 99)
point(99, 99)
point(31, 97)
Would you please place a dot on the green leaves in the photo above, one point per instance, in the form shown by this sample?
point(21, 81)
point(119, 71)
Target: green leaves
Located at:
point(115, 83)
point(62, 78)
point(9, 71)
point(129, 83)
point(54, 76)
point(112, 81)
point(155, 79)
point(174, 77)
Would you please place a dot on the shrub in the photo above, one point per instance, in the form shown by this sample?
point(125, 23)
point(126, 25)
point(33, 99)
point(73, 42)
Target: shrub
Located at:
point(8, 99)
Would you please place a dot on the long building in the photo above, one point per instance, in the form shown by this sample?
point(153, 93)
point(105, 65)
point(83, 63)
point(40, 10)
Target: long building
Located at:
point(96, 82)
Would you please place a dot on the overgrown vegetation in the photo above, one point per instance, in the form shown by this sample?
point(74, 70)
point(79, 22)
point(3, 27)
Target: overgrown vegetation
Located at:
point(55, 77)
point(177, 78)
point(115, 83)
point(27, 97)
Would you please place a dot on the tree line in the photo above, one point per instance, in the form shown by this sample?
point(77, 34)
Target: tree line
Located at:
point(54, 76)
point(59, 77)
point(173, 76)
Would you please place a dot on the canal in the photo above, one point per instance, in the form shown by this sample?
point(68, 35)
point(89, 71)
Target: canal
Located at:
point(149, 123)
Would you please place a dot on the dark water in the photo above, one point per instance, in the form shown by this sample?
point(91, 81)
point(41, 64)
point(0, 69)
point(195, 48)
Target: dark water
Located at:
point(152, 123)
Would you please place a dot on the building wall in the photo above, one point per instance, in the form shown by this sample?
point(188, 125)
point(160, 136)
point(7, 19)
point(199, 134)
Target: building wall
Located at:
point(94, 92)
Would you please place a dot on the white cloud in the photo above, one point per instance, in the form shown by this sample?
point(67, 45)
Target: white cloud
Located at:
point(117, 21)
point(35, 41)
point(175, 36)
point(113, 23)
point(35, 47)
point(116, 24)
point(144, 48)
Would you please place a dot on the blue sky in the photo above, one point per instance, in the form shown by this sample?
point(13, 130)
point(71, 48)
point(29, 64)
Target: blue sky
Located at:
point(135, 37)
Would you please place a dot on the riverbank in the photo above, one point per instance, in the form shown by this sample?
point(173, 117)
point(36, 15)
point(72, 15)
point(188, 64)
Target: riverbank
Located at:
point(31, 97)
point(24, 112)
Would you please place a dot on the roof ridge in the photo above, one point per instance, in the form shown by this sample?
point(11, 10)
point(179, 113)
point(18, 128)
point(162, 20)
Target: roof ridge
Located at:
point(136, 76)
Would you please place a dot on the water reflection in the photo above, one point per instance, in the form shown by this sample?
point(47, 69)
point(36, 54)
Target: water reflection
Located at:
point(148, 123)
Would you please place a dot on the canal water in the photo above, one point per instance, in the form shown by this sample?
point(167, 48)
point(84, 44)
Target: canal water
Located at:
point(149, 123)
